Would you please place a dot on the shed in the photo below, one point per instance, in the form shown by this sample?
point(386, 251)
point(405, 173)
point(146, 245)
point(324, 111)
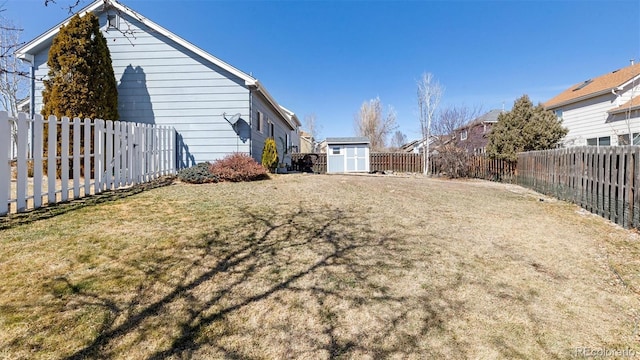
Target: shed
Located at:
point(348, 154)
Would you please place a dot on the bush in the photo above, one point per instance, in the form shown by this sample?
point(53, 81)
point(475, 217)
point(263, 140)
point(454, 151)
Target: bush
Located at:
point(198, 174)
point(238, 167)
point(270, 155)
point(453, 161)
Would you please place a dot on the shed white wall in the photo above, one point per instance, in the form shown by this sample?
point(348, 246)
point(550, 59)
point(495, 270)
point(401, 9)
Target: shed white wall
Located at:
point(352, 158)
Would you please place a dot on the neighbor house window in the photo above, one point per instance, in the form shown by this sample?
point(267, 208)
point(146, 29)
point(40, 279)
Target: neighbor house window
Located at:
point(259, 121)
point(463, 135)
point(112, 22)
point(335, 150)
point(272, 130)
point(601, 141)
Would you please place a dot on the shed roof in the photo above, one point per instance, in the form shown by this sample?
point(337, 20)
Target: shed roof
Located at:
point(348, 140)
point(596, 86)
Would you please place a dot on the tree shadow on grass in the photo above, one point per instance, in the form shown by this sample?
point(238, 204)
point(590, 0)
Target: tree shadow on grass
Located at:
point(299, 283)
point(47, 212)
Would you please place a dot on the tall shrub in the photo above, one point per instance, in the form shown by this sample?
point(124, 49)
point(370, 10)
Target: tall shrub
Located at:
point(270, 155)
point(80, 82)
point(524, 128)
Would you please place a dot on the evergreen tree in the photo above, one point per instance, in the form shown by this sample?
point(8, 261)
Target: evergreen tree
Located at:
point(524, 128)
point(81, 81)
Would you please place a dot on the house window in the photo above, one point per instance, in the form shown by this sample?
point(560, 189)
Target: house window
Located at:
point(559, 114)
point(112, 22)
point(335, 150)
point(272, 130)
point(463, 135)
point(259, 121)
point(601, 141)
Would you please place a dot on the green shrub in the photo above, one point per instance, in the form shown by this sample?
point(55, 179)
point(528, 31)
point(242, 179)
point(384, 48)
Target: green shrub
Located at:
point(238, 167)
point(198, 174)
point(270, 155)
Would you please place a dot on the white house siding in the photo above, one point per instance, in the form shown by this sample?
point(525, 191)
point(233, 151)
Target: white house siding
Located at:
point(162, 83)
point(281, 127)
point(590, 119)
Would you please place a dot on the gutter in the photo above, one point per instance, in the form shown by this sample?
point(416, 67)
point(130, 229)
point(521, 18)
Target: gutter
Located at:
point(581, 98)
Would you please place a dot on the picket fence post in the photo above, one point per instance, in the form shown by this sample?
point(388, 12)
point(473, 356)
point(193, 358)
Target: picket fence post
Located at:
point(87, 156)
point(21, 181)
point(52, 126)
point(38, 124)
point(5, 166)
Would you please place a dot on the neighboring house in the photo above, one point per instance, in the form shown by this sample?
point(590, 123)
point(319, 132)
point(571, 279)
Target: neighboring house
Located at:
point(473, 137)
point(416, 146)
point(307, 142)
point(604, 110)
point(165, 80)
point(24, 105)
point(347, 154)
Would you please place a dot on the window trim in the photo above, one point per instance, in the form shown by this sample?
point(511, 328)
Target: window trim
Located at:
point(463, 135)
point(115, 25)
point(259, 127)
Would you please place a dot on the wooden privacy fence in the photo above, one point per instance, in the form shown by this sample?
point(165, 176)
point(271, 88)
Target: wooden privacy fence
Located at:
point(399, 162)
point(90, 157)
point(474, 166)
point(603, 180)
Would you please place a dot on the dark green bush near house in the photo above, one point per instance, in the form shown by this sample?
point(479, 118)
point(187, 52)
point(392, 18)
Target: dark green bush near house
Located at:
point(198, 174)
point(238, 167)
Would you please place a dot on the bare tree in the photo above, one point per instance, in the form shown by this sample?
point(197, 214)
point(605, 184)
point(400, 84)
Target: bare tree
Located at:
point(313, 128)
point(429, 95)
point(13, 75)
point(372, 123)
point(454, 117)
point(398, 139)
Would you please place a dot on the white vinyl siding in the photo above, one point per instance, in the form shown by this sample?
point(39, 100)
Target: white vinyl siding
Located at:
point(590, 119)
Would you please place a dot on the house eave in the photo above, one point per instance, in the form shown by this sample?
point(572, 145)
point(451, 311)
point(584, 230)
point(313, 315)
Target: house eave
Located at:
point(623, 110)
point(578, 99)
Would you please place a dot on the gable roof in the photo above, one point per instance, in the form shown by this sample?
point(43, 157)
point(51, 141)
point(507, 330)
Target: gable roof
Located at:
point(596, 86)
point(27, 51)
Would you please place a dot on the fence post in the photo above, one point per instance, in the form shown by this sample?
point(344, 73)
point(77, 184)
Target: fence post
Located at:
point(64, 155)
point(21, 181)
point(87, 156)
point(5, 166)
point(76, 158)
point(98, 153)
point(52, 158)
point(38, 123)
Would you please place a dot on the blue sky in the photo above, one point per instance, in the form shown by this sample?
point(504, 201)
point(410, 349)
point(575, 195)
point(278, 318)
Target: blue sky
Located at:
point(327, 57)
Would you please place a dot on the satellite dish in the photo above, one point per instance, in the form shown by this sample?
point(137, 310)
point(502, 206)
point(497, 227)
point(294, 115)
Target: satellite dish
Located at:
point(234, 119)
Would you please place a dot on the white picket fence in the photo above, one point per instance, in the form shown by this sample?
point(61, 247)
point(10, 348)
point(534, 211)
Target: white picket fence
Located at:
point(123, 154)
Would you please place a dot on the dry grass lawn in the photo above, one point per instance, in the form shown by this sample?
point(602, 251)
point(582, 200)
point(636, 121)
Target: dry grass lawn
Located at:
point(319, 267)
